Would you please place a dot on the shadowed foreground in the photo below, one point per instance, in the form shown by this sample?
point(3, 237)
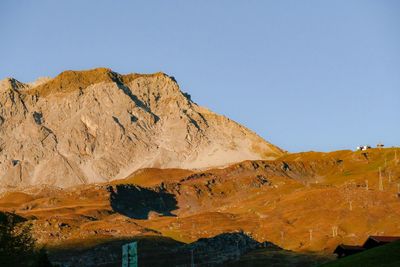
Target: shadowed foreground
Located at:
point(159, 251)
point(228, 249)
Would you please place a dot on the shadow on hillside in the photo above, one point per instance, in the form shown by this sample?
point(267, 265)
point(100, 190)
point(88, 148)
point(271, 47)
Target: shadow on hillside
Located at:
point(161, 251)
point(136, 202)
point(109, 252)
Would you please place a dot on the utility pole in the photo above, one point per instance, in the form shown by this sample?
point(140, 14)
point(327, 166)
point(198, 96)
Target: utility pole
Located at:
point(334, 231)
point(191, 258)
point(310, 231)
point(380, 180)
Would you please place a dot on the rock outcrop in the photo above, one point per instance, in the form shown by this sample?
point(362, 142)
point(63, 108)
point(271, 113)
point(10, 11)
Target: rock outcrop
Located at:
point(97, 125)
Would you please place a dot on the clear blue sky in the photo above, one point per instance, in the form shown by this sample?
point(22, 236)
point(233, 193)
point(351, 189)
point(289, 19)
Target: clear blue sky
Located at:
point(305, 75)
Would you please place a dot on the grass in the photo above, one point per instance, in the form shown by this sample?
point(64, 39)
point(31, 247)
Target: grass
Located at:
point(267, 257)
point(383, 256)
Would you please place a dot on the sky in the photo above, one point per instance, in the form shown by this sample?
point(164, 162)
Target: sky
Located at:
point(304, 75)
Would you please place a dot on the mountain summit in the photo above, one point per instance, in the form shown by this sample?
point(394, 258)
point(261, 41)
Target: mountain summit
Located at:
point(97, 125)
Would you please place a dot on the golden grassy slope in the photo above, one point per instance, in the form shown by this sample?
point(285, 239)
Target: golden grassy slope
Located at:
point(70, 81)
point(296, 202)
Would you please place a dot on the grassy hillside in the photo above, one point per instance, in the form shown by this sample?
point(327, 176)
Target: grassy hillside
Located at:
point(264, 257)
point(303, 202)
point(384, 256)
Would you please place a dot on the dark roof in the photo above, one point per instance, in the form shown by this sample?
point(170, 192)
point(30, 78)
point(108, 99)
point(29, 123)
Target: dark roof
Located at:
point(351, 247)
point(346, 250)
point(348, 247)
point(383, 239)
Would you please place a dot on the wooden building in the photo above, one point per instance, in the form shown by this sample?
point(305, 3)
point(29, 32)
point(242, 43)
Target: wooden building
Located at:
point(372, 241)
point(375, 241)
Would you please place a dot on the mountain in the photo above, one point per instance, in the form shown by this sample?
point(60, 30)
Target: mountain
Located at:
point(97, 125)
point(300, 202)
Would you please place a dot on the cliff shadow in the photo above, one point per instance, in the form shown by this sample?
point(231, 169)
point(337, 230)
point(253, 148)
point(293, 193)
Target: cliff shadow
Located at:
point(159, 251)
point(136, 202)
point(235, 249)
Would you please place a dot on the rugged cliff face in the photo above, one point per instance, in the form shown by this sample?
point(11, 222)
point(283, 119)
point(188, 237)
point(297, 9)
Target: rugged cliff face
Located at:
point(97, 125)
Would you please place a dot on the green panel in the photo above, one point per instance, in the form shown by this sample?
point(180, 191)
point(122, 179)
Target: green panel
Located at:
point(129, 255)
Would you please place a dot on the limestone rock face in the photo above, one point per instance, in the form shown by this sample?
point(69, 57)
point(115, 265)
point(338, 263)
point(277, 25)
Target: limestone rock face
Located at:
point(97, 125)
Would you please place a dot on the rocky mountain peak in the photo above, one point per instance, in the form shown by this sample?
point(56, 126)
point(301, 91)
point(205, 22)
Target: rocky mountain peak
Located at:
point(97, 125)
point(72, 81)
point(11, 84)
